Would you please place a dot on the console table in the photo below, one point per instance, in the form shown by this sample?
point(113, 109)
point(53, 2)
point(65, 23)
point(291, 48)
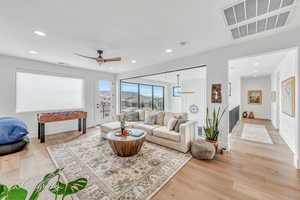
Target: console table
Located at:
point(43, 118)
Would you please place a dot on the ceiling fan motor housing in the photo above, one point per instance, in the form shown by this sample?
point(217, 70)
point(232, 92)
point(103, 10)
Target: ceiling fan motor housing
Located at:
point(100, 52)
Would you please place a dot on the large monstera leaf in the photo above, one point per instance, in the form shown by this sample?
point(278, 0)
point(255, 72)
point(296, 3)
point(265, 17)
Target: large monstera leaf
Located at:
point(14, 193)
point(3, 191)
point(41, 186)
point(68, 189)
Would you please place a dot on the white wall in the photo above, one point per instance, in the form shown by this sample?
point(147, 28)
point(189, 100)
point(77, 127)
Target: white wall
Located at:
point(263, 83)
point(288, 126)
point(235, 97)
point(198, 98)
point(8, 68)
point(217, 68)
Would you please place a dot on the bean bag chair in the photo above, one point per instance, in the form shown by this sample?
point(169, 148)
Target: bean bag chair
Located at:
point(6, 149)
point(12, 135)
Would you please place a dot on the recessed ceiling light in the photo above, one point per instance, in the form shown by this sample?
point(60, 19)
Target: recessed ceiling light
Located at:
point(133, 61)
point(168, 50)
point(33, 52)
point(256, 64)
point(40, 33)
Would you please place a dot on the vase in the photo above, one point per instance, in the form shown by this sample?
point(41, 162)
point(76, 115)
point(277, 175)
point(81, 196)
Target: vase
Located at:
point(215, 143)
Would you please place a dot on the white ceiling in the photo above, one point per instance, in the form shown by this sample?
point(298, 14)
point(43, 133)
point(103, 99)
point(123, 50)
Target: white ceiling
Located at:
point(185, 75)
point(136, 29)
point(260, 65)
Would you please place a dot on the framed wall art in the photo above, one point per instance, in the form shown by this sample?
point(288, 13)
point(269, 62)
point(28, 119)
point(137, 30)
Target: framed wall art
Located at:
point(216, 93)
point(254, 97)
point(288, 96)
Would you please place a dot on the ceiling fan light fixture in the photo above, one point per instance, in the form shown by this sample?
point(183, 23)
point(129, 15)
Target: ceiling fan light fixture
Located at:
point(133, 61)
point(33, 52)
point(169, 50)
point(40, 33)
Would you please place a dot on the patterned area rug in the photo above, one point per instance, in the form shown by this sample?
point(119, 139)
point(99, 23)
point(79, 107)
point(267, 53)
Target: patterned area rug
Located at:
point(111, 177)
point(256, 133)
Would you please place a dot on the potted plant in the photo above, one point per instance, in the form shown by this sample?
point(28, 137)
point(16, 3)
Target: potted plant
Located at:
point(122, 120)
point(59, 189)
point(212, 123)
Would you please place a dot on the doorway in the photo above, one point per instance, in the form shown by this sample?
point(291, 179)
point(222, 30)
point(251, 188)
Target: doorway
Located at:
point(264, 88)
point(104, 101)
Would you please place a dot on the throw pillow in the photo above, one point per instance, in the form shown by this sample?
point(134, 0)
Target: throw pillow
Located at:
point(12, 130)
point(168, 116)
point(171, 124)
point(133, 116)
point(141, 115)
point(160, 118)
point(179, 122)
point(150, 119)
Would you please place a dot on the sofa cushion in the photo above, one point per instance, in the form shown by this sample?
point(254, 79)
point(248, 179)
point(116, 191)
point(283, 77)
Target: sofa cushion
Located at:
point(110, 126)
point(169, 115)
point(150, 119)
point(132, 116)
point(141, 115)
point(160, 118)
point(145, 127)
point(179, 122)
point(171, 124)
point(163, 132)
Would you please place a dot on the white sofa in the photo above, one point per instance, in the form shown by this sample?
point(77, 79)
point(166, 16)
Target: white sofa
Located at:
point(159, 134)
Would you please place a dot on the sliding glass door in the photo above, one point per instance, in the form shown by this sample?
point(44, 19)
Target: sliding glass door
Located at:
point(141, 96)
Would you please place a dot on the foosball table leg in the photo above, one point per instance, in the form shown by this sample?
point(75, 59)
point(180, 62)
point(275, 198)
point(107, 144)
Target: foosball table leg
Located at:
point(84, 126)
point(42, 133)
point(79, 124)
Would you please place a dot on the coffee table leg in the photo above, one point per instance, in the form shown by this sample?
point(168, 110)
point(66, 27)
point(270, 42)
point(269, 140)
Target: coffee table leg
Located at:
point(84, 126)
point(42, 133)
point(79, 124)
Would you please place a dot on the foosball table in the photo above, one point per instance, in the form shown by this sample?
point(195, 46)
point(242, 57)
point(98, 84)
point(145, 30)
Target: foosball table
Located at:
point(44, 118)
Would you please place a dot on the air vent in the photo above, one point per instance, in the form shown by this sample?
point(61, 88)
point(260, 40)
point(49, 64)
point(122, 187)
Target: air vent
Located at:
point(249, 17)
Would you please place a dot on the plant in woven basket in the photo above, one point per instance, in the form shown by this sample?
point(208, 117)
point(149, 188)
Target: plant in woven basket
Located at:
point(212, 123)
point(59, 189)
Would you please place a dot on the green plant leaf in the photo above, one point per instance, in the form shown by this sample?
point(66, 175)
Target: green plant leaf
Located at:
point(16, 193)
point(41, 185)
point(58, 188)
point(75, 186)
point(3, 191)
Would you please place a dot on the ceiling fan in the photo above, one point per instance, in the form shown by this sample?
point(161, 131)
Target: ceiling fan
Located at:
point(178, 86)
point(100, 59)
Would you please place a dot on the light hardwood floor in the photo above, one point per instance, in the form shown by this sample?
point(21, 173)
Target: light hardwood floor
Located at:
point(249, 171)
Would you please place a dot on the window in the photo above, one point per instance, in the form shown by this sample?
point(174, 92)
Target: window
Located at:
point(104, 101)
point(158, 98)
point(36, 92)
point(176, 91)
point(135, 96)
point(146, 96)
point(129, 96)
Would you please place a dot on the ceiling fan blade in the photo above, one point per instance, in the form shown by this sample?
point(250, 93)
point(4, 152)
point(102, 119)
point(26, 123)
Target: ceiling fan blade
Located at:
point(86, 56)
point(112, 59)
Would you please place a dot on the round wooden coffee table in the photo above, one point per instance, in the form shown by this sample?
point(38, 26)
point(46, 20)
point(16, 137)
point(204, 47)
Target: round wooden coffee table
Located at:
point(125, 146)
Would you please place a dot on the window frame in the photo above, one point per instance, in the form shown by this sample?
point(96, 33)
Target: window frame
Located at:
point(175, 87)
point(139, 99)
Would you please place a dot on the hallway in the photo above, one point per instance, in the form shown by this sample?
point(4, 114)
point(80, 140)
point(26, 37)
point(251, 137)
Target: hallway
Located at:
point(278, 151)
